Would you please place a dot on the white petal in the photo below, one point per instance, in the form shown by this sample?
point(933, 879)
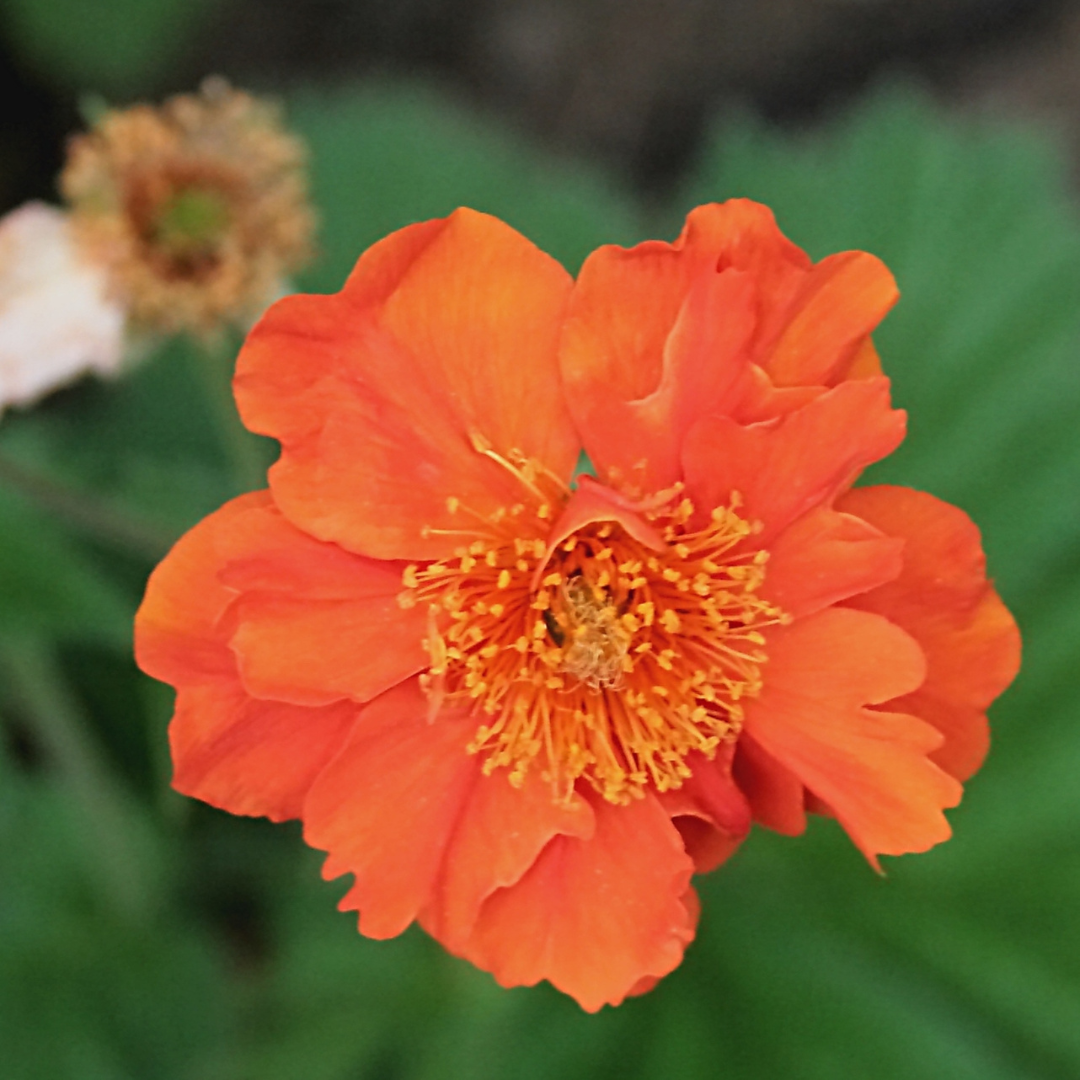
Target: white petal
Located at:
point(56, 318)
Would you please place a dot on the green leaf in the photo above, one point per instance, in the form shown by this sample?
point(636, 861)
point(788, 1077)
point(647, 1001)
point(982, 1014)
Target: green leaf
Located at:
point(144, 444)
point(86, 994)
point(48, 585)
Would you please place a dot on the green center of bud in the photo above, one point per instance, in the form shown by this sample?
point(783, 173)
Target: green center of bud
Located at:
point(191, 223)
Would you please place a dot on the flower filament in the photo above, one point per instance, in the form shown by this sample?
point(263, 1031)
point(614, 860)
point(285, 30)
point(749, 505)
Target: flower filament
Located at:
point(603, 660)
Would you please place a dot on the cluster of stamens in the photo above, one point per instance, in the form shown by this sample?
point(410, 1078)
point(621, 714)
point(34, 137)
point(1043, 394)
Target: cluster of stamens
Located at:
point(603, 660)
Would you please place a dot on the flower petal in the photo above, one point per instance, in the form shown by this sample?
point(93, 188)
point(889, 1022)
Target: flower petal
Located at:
point(386, 807)
point(407, 810)
point(731, 319)
point(623, 307)
point(593, 916)
point(706, 369)
point(870, 767)
point(243, 755)
point(710, 812)
point(692, 902)
point(248, 756)
point(642, 321)
point(743, 235)
point(776, 795)
point(312, 652)
point(942, 598)
point(825, 557)
point(315, 623)
point(591, 503)
point(830, 318)
point(57, 317)
point(386, 396)
point(177, 636)
point(866, 363)
point(784, 468)
point(499, 835)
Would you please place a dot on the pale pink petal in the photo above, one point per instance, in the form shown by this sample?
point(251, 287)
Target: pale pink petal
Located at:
point(57, 320)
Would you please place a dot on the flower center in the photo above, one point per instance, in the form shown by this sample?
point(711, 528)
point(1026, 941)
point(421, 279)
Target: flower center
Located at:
point(606, 660)
point(190, 224)
point(183, 214)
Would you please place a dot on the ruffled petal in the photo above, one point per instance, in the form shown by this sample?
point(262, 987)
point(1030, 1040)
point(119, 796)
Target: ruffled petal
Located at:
point(764, 401)
point(407, 810)
point(177, 639)
point(308, 623)
point(776, 795)
point(942, 598)
point(386, 807)
point(387, 396)
point(710, 812)
point(499, 835)
point(591, 503)
point(593, 916)
point(732, 319)
point(314, 623)
point(228, 749)
point(248, 756)
point(839, 302)
point(660, 334)
point(784, 468)
point(870, 767)
point(743, 235)
point(623, 307)
point(692, 902)
point(705, 369)
point(825, 557)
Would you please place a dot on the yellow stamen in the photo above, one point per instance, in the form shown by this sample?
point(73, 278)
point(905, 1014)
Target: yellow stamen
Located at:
point(621, 663)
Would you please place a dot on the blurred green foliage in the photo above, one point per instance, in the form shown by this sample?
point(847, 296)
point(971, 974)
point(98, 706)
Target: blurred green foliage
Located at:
point(113, 46)
point(142, 935)
point(385, 156)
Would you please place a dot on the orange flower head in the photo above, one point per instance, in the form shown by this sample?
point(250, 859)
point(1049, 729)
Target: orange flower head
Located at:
point(198, 207)
point(523, 704)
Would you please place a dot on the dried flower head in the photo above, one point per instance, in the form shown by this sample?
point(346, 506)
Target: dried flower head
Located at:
point(199, 206)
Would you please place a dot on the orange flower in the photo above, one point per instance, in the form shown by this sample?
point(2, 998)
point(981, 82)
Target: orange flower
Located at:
point(524, 710)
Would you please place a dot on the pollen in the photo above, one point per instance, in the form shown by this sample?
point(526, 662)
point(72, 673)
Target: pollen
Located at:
point(605, 662)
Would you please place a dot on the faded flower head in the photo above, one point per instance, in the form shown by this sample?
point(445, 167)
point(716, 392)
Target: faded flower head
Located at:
point(56, 318)
point(198, 207)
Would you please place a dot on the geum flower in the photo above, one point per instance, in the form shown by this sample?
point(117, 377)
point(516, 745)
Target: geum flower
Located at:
point(523, 710)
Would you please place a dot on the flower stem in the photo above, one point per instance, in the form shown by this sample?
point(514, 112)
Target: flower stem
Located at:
point(87, 514)
point(242, 449)
point(58, 725)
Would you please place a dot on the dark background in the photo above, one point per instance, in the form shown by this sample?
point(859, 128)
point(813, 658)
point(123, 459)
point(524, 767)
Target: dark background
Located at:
point(629, 82)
